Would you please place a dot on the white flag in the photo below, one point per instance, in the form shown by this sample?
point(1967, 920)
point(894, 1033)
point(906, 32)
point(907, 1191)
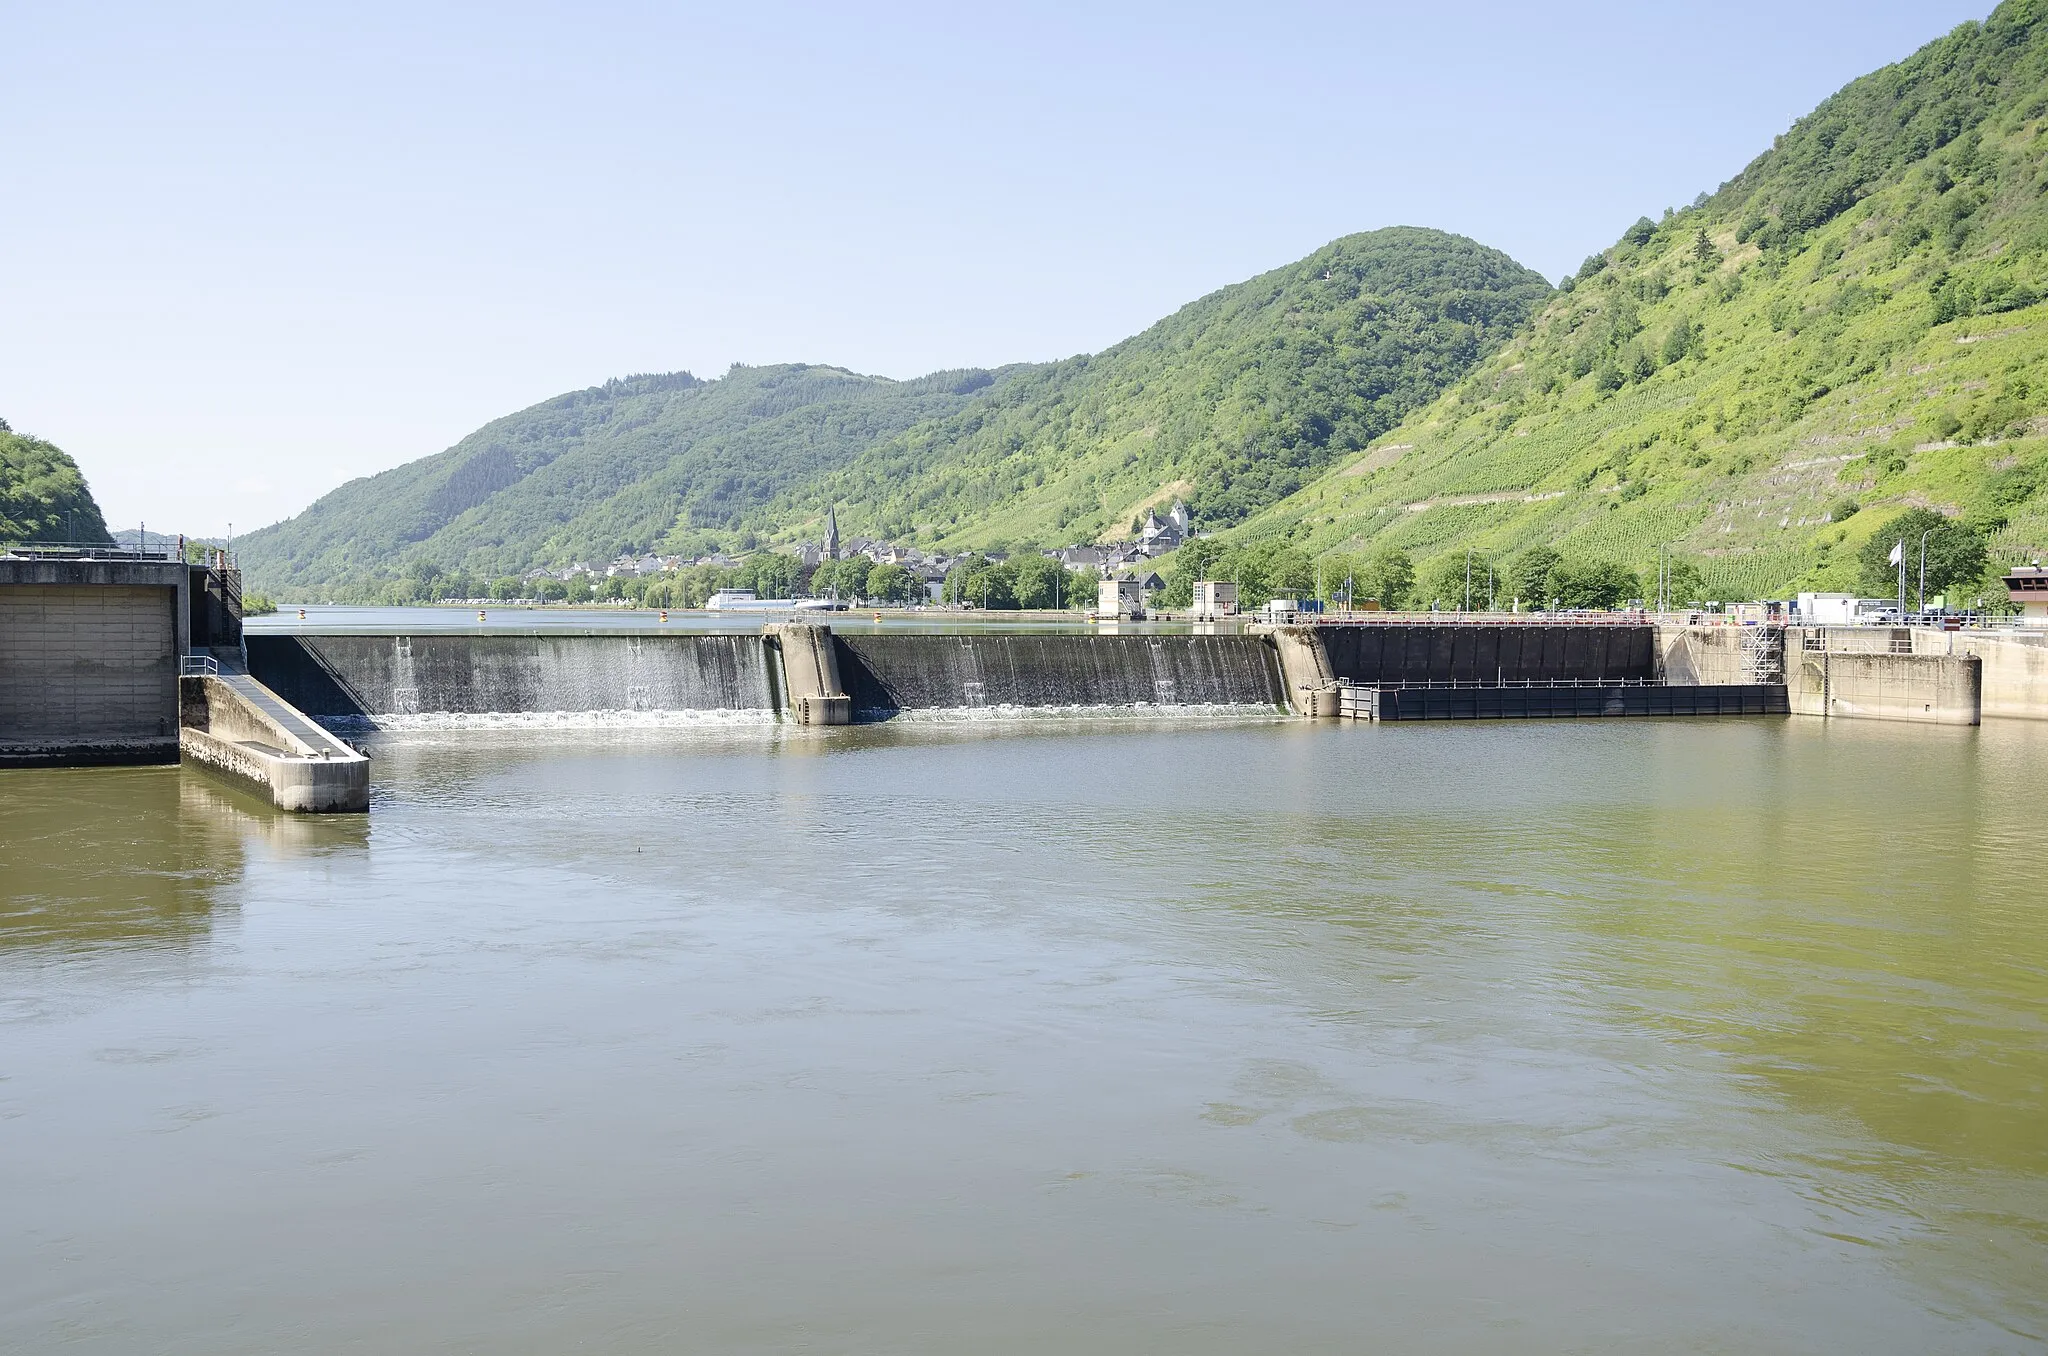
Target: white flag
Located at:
point(1898, 553)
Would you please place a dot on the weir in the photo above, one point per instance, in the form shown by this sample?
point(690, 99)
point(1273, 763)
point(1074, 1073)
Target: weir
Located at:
point(885, 674)
point(379, 677)
point(808, 674)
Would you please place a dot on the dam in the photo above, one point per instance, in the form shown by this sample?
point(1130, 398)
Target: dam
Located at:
point(134, 657)
point(812, 674)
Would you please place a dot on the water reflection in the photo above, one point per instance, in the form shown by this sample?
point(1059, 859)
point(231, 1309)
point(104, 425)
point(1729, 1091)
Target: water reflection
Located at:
point(125, 858)
point(1232, 1035)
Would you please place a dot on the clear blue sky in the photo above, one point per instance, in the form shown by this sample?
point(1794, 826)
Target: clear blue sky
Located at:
point(250, 252)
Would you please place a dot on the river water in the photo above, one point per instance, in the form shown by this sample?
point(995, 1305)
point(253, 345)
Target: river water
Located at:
point(1228, 1036)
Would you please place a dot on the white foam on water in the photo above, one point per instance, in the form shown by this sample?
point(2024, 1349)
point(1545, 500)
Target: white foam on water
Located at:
point(1191, 711)
point(566, 720)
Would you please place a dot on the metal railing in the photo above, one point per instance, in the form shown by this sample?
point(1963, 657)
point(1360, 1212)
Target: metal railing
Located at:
point(198, 666)
point(1496, 685)
point(82, 550)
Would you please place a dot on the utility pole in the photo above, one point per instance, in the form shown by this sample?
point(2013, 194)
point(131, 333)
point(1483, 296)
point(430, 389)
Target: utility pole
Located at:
point(1468, 579)
point(1899, 556)
point(1922, 605)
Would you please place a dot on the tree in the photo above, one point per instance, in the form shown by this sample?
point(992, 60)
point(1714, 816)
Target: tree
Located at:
point(1956, 555)
point(1043, 582)
point(1683, 584)
point(1193, 561)
point(888, 583)
point(578, 590)
point(1679, 342)
point(1389, 576)
point(1529, 576)
point(1593, 583)
point(993, 587)
point(1443, 583)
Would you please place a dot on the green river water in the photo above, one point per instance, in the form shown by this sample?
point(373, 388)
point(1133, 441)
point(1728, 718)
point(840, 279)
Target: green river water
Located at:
point(1042, 1036)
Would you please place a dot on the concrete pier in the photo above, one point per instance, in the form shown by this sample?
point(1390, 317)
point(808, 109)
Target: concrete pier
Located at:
point(233, 725)
point(2013, 675)
point(810, 674)
point(1305, 670)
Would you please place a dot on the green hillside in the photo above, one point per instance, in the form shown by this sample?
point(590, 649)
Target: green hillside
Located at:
point(1850, 328)
point(666, 463)
point(43, 497)
point(1232, 402)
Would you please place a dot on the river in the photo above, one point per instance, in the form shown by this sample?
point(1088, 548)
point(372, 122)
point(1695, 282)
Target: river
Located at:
point(1040, 1035)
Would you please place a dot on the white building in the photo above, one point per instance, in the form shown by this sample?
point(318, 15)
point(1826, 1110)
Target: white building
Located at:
point(2028, 585)
point(1120, 599)
point(1827, 609)
point(726, 600)
point(1215, 598)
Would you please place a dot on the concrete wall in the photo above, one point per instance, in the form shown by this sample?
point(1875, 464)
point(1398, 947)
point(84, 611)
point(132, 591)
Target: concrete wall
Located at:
point(238, 728)
point(1936, 689)
point(1711, 655)
point(89, 661)
point(2015, 671)
point(1479, 653)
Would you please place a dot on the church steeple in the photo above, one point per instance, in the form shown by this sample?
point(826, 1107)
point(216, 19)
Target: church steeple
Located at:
point(832, 532)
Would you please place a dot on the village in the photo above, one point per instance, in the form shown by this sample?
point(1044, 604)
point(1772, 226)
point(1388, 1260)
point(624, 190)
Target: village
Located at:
point(855, 569)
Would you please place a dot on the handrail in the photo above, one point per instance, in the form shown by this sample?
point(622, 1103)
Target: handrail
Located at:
point(198, 666)
point(82, 550)
point(1475, 683)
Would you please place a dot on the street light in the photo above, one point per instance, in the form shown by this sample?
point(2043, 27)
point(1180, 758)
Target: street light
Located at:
point(1922, 605)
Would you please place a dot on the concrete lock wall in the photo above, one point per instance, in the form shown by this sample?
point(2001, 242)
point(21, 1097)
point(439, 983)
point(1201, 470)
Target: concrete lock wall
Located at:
point(1931, 688)
point(89, 662)
point(2014, 671)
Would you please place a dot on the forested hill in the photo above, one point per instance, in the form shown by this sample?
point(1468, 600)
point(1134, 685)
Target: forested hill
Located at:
point(43, 497)
point(1850, 328)
point(666, 463)
point(1232, 402)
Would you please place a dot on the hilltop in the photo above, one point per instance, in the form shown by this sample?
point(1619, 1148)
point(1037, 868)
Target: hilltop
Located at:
point(669, 463)
point(43, 495)
point(1233, 402)
point(1850, 327)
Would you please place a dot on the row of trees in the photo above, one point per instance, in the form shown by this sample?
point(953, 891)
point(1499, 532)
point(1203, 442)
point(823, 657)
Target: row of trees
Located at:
point(1023, 581)
point(1539, 577)
point(1956, 554)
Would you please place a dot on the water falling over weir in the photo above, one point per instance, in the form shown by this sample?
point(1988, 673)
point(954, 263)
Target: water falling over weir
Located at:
point(426, 679)
point(885, 674)
point(403, 679)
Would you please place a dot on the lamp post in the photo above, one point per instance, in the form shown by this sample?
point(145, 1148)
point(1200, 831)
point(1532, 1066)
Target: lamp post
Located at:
point(1921, 607)
point(1468, 579)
